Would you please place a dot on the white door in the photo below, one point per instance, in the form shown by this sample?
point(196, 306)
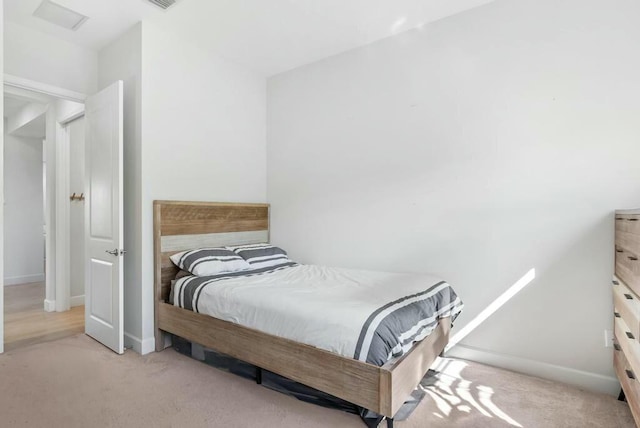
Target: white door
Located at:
point(104, 217)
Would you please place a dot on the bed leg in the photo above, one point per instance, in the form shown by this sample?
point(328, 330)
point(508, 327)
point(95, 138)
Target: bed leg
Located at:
point(258, 375)
point(373, 422)
point(159, 340)
point(621, 396)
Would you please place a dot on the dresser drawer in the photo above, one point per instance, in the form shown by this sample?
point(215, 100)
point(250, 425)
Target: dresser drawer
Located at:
point(618, 356)
point(628, 241)
point(628, 379)
point(628, 223)
point(628, 268)
point(629, 344)
point(627, 305)
point(621, 364)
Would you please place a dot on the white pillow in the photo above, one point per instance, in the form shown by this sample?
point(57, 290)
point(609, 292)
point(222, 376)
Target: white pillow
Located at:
point(261, 255)
point(209, 261)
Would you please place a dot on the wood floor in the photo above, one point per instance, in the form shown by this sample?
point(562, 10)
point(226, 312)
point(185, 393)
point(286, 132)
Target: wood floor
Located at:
point(26, 322)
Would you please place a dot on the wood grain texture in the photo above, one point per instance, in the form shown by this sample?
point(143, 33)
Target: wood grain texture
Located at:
point(411, 368)
point(631, 387)
point(626, 303)
point(189, 219)
point(189, 242)
point(176, 222)
point(630, 346)
point(160, 294)
point(627, 268)
point(342, 377)
point(26, 322)
point(168, 272)
point(628, 221)
point(380, 389)
point(628, 241)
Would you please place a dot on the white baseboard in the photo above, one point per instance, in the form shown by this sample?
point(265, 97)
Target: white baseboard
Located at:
point(49, 305)
point(24, 279)
point(77, 301)
point(586, 380)
point(142, 347)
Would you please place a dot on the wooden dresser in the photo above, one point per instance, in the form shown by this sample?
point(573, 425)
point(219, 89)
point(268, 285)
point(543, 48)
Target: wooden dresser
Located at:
point(626, 302)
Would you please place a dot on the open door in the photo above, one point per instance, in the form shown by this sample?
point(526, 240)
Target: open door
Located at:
point(104, 217)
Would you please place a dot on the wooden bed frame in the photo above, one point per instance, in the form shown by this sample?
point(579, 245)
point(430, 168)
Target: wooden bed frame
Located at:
point(179, 226)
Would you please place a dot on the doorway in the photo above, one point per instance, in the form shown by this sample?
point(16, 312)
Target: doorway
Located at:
point(103, 204)
point(29, 254)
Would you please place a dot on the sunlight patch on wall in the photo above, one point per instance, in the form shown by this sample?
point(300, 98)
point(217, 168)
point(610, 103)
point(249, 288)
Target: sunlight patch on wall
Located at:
point(397, 26)
point(492, 308)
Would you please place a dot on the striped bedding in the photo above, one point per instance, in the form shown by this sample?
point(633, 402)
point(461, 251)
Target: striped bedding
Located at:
point(366, 315)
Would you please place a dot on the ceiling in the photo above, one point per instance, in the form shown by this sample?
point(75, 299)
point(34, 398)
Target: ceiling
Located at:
point(107, 18)
point(35, 128)
point(269, 36)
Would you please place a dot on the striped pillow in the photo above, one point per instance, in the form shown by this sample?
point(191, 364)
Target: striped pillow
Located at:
point(209, 261)
point(261, 255)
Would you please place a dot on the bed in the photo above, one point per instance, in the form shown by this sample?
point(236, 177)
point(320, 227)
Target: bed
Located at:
point(380, 386)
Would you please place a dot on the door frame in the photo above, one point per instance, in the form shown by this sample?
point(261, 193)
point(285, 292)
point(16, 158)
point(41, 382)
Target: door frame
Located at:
point(63, 217)
point(43, 88)
point(57, 282)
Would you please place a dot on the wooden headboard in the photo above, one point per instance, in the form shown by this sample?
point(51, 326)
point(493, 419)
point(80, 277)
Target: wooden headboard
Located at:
point(179, 226)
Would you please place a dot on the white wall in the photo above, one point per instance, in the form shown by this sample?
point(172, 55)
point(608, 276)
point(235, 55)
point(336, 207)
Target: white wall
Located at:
point(194, 130)
point(477, 148)
point(37, 56)
point(203, 132)
point(23, 210)
point(122, 60)
point(24, 116)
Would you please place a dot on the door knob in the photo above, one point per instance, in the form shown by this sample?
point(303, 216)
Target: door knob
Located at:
point(113, 252)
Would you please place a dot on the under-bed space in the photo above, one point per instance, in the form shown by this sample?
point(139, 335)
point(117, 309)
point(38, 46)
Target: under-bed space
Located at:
point(261, 319)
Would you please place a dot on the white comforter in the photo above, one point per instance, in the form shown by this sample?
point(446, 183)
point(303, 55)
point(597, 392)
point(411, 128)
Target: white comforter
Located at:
point(339, 310)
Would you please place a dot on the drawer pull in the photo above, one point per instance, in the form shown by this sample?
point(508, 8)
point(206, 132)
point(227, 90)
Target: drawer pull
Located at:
point(619, 218)
point(619, 250)
point(629, 335)
point(632, 219)
point(615, 283)
point(632, 258)
point(617, 347)
point(630, 374)
point(617, 315)
point(628, 296)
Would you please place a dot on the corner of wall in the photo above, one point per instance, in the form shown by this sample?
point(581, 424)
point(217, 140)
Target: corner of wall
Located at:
point(586, 380)
point(141, 346)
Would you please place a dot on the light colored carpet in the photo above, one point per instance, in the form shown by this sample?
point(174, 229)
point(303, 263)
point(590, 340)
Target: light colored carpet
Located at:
point(76, 382)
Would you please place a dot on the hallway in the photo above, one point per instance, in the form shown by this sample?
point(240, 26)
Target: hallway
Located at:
point(27, 323)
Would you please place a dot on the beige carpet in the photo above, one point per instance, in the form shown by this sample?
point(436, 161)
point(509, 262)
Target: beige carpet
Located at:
point(75, 382)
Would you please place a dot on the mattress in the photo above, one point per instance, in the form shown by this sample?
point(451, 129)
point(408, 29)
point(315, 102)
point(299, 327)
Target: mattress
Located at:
point(367, 315)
